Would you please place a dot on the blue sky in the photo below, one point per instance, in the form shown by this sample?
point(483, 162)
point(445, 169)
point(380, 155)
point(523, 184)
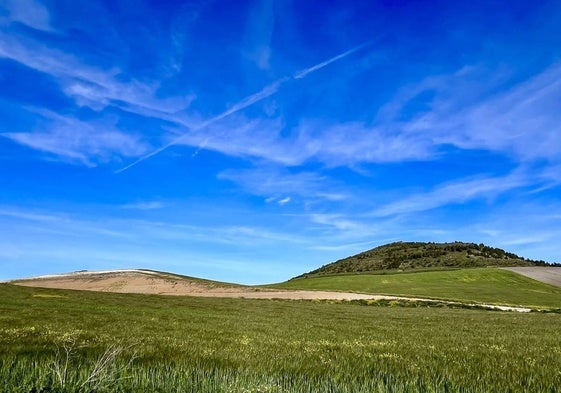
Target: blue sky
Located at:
point(251, 141)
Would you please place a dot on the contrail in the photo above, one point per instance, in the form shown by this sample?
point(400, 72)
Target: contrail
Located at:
point(304, 73)
point(267, 91)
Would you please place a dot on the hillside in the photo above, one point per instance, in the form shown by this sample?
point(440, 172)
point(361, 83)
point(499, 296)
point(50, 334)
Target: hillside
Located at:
point(130, 281)
point(478, 285)
point(416, 255)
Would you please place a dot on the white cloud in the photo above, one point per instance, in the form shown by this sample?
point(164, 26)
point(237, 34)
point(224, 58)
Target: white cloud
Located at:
point(150, 205)
point(346, 248)
point(345, 144)
point(267, 91)
point(88, 143)
point(90, 86)
point(337, 221)
point(461, 191)
point(275, 183)
point(529, 228)
point(348, 144)
point(523, 122)
point(205, 136)
point(241, 137)
point(27, 215)
point(260, 29)
point(520, 120)
point(140, 230)
point(29, 12)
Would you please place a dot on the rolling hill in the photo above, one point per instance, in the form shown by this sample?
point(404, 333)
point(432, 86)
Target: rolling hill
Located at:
point(447, 271)
point(477, 285)
point(465, 272)
point(402, 256)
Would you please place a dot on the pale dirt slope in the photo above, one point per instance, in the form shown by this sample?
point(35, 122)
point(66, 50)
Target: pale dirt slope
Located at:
point(156, 283)
point(549, 275)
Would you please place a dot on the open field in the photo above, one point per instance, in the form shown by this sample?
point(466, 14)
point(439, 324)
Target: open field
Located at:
point(486, 285)
point(189, 344)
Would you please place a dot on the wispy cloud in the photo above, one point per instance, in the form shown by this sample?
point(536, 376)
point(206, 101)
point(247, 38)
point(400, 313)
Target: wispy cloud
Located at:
point(214, 139)
point(29, 12)
point(27, 215)
point(134, 230)
point(527, 228)
point(259, 33)
point(89, 85)
point(277, 183)
point(458, 192)
point(86, 142)
point(334, 145)
point(242, 137)
point(518, 119)
point(524, 122)
point(521, 123)
point(351, 143)
point(149, 205)
point(101, 242)
point(119, 235)
point(346, 249)
point(337, 221)
point(246, 102)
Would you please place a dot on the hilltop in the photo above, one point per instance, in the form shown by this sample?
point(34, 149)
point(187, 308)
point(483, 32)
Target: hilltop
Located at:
point(418, 255)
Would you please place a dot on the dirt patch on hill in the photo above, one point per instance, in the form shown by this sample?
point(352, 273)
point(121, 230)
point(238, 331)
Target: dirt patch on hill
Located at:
point(145, 282)
point(549, 275)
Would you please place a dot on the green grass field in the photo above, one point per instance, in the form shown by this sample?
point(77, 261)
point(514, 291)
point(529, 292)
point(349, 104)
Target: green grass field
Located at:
point(486, 285)
point(174, 344)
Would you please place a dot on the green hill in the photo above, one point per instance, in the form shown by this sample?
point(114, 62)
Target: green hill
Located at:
point(419, 255)
point(479, 285)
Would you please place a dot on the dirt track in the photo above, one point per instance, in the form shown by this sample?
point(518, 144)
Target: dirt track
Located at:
point(549, 275)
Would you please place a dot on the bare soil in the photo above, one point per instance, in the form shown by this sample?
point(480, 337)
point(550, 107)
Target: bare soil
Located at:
point(549, 275)
point(145, 282)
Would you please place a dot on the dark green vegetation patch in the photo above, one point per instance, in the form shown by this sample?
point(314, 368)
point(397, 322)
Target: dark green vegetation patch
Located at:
point(141, 343)
point(415, 255)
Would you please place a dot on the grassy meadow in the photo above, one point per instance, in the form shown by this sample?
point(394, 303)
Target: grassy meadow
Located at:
point(483, 285)
point(74, 341)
